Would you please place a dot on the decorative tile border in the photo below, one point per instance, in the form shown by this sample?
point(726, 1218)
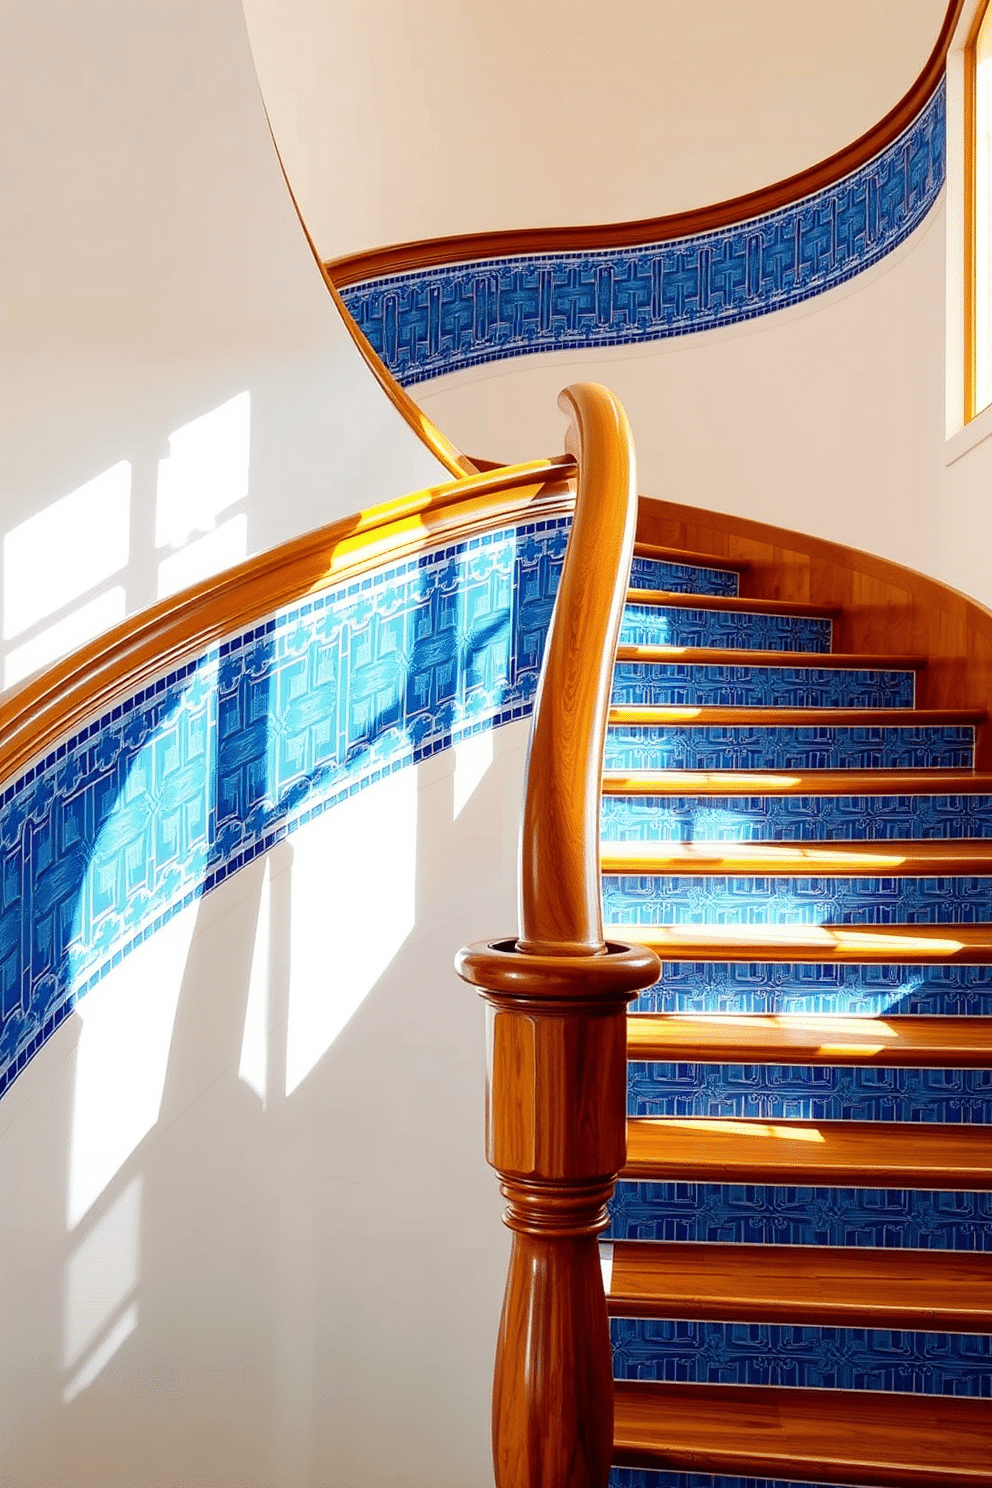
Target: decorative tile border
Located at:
point(428, 322)
point(158, 801)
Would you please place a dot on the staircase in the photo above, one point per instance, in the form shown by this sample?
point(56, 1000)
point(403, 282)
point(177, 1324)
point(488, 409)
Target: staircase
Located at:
point(797, 1263)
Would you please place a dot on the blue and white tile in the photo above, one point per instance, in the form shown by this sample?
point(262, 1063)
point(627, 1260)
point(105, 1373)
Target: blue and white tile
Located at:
point(680, 683)
point(734, 630)
point(794, 818)
point(681, 578)
point(787, 747)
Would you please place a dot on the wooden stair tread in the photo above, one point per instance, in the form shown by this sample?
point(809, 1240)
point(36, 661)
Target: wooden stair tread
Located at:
point(674, 600)
point(796, 783)
point(690, 559)
point(875, 858)
point(836, 1436)
point(866, 1154)
point(809, 1285)
point(689, 715)
point(863, 945)
point(729, 656)
point(760, 1038)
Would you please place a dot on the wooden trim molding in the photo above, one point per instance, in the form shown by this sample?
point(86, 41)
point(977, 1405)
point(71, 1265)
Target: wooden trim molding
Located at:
point(970, 222)
point(403, 257)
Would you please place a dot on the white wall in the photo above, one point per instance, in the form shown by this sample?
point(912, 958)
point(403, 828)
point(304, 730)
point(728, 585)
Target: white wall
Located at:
point(247, 1239)
point(418, 118)
point(152, 270)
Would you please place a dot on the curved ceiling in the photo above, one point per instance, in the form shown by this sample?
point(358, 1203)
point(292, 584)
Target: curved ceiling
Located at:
point(425, 118)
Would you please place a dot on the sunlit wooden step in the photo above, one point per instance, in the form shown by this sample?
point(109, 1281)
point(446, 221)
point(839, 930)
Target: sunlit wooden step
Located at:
point(673, 599)
point(690, 559)
point(796, 783)
point(691, 716)
point(833, 1154)
point(825, 1436)
point(809, 1285)
point(908, 945)
point(953, 857)
point(728, 656)
point(769, 1038)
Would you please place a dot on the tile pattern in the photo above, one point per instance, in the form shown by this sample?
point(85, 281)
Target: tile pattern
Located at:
point(639, 1477)
point(735, 630)
point(802, 1357)
point(657, 684)
point(681, 578)
point(793, 818)
point(831, 747)
point(151, 805)
point(810, 1092)
point(432, 321)
point(760, 1214)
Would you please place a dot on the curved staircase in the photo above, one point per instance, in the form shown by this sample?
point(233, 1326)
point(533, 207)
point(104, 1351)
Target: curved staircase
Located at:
point(796, 1266)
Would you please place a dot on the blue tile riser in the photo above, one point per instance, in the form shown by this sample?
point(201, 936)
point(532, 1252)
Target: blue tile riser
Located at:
point(802, 1357)
point(817, 989)
point(764, 747)
point(735, 630)
point(639, 1477)
point(793, 818)
point(681, 578)
point(656, 685)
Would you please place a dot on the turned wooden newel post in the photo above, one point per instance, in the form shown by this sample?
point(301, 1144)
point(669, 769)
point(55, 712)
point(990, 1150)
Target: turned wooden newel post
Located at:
point(556, 1016)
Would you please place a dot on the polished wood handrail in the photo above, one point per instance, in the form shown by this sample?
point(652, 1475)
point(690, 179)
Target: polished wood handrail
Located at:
point(402, 258)
point(48, 707)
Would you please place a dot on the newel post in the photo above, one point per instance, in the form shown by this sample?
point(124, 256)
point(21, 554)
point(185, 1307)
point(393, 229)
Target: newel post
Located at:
point(556, 1008)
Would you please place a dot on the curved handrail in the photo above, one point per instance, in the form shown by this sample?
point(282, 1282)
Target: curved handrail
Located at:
point(45, 708)
point(467, 247)
point(560, 895)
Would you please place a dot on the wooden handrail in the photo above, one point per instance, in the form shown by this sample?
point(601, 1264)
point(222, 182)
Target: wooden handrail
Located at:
point(557, 998)
point(48, 707)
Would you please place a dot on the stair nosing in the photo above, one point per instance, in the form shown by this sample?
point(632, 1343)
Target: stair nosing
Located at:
point(882, 857)
point(688, 558)
point(692, 715)
point(736, 656)
point(772, 783)
point(864, 945)
point(766, 1038)
point(673, 599)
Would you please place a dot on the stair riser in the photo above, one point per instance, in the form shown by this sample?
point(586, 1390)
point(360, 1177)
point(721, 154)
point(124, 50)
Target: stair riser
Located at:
point(809, 1092)
point(641, 1477)
point(818, 990)
point(681, 578)
point(743, 899)
point(736, 630)
point(762, 747)
point(793, 818)
point(802, 1357)
point(661, 684)
point(764, 1214)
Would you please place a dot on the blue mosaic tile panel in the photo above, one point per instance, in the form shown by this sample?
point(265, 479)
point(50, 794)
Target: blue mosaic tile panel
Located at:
point(809, 1092)
point(660, 684)
point(825, 989)
point(735, 630)
point(778, 747)
point(760, 1214)
point(793, 818)
point(431, 321)
point(152, 805)
point(682, 578)
point(648, 899)
point(809, 1358)
point(639, 1477)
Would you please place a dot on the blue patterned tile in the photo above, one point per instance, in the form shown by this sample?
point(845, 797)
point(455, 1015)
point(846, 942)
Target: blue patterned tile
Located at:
point(819, 989)
point(734, 630)
point(793, 818)
point(809, 1092)
point(809, 1358)
point(442, 319)
point(767, 747)
point(682, 578)
point(660, 684)
point(642, 1477)
point(759, 1214)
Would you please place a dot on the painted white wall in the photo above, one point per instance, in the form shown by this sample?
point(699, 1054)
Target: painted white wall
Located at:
point(152, 272)
point(418, 118)
point(249, 1238)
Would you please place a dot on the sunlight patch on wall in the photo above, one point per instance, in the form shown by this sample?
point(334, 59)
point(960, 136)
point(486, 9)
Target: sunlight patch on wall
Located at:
point(473, 757)
point(353, 906)
point(205, 473)
point(208, 555)
point(100, 1276)
point(65, 635)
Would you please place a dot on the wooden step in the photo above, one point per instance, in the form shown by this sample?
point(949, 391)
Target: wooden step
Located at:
point(673, 600)
point(729, 656)
point(937, 857)
point(691, 716)
point(770, 1038)
point(809, 1285)
point(825, 1154)
point(863, 945)
point(690, 560)
point(796, 783)
point(820, 1436)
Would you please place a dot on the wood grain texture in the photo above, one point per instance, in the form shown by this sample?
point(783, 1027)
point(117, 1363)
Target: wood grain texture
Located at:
point(888, 857)
point(809, 1285)
point(36, 714)
point(796, 783)
point(835, 1154)
point(693, 560)
point(676, 600)
point(466, 247)
point(886, 607)
point(863, 945)
point(833, 1436)
point(916, 1042)
point(735, 657)
point(701, 717)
